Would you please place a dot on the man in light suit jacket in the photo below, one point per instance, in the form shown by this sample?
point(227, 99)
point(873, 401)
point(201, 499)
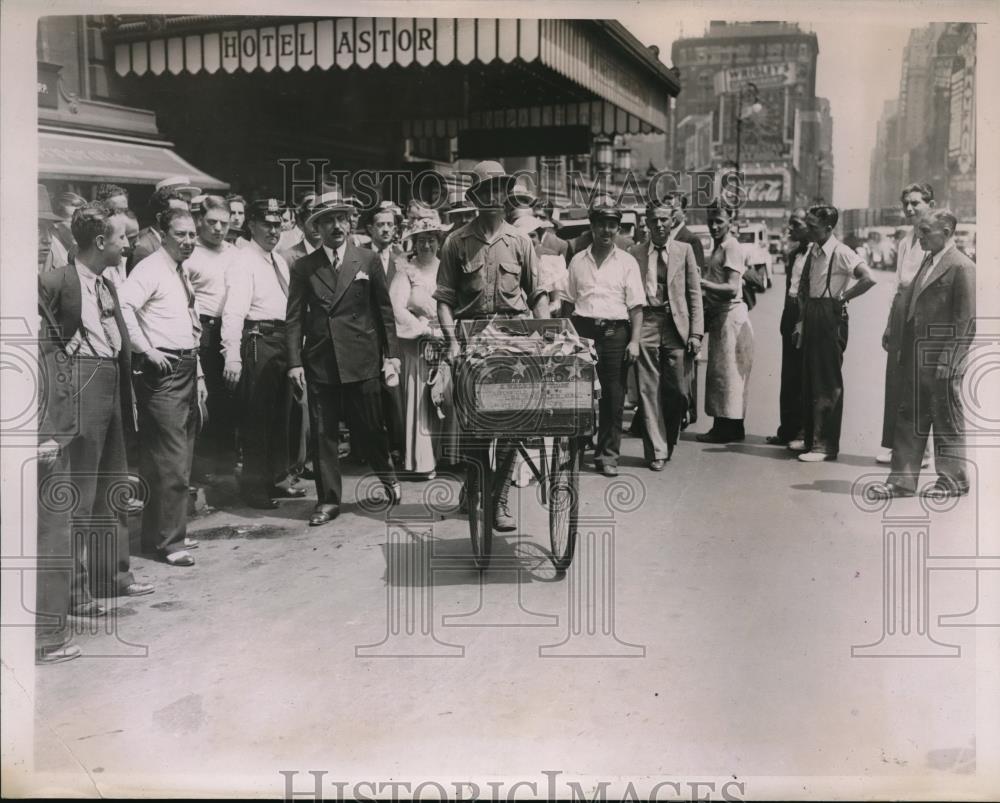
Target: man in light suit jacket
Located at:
point(940, 307)
point(672, 329)
point(93, 334)
point(340, 327)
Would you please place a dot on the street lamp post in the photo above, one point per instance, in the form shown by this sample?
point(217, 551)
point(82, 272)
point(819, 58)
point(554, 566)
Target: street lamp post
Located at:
point(747, 91)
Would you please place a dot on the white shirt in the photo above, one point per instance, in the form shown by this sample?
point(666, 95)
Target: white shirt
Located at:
point(340, 253)
point(833, 258)
point(909, 256)
point(155, 306)
point(607, 292)
point(96, 343)
point(797, 265)
point(252, 293)
point(207, 270)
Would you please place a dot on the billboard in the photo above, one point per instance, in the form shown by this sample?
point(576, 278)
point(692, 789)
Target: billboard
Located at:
point(763, 76)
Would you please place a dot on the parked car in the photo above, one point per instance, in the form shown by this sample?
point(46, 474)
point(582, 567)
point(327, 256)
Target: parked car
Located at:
point(754, 239)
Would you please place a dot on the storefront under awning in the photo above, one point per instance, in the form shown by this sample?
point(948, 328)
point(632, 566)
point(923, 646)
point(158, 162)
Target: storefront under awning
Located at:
point(77, 157)
point(591, 73)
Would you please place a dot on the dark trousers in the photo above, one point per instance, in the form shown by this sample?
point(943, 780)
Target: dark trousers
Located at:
point(215, 448)
point(925, 402)
point(824, 339)
point(790, 396)
point(610, 341)
point(662, 379)
point(97, 463)
point(270, 415)
point(893, 377)
point(361, 404)
point(168, 412)
point(393, 406)
point(54, 572)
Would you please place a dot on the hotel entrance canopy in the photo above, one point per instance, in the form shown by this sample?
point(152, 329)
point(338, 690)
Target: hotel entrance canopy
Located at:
point(514, 73)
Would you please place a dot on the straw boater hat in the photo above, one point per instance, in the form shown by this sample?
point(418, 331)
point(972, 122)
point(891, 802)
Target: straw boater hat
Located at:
point(179, 184)
point(431, 224)
point(328, 202)
point(528, 224)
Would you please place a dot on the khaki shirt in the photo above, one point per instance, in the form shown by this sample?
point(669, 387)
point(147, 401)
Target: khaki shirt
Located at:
point(477, 278)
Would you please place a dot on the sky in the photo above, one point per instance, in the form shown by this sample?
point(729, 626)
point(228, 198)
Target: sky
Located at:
point(858, 69)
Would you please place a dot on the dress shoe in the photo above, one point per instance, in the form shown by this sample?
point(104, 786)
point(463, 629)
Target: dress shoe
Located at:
point(134, 507)
point(797, 445)
point(322, 514)
point(307, 473)
point(291, 492)
point(260, 502)
point(884, 458)
point(136, 590)
point(503, 521)
point(776, 440)
point(608, 469)
point(394, 492)
point(657, 465)
point(179, 558)
point(713, 436)
point(88, 610)
point(191, 543)
point(887, 490)
point(56, 655)
point(816, 457)
point(943, 488)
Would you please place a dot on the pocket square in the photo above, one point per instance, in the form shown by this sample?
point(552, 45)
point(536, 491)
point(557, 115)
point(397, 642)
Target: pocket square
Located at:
point(360, 276)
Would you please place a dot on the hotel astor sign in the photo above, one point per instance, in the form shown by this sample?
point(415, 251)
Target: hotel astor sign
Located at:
point(342, 42)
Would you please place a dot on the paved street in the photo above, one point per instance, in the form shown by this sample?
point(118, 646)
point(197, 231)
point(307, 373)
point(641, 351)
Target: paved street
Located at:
point(727, 593)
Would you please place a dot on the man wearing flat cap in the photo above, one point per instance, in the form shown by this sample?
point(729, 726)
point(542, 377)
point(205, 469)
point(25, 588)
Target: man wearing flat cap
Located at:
point(606, 295)
point(489, 269)
point(341, 329)
point(253, 343)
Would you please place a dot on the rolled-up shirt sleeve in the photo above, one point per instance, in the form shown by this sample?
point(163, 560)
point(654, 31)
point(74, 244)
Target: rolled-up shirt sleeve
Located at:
point(447, 277)
point(137, 289)
point(635, 293)
point(531, 279)
point(239, 294)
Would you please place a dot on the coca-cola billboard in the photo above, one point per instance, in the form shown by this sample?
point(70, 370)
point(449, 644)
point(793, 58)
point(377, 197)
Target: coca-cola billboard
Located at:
point(766, 190)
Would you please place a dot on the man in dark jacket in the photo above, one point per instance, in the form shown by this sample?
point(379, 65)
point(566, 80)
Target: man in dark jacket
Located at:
point(340, 328)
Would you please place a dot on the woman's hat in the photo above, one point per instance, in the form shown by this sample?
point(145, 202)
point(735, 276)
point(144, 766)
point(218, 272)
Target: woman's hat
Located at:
point(426, 225)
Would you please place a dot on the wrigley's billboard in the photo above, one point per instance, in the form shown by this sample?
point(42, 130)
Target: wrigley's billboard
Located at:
point(764, 76)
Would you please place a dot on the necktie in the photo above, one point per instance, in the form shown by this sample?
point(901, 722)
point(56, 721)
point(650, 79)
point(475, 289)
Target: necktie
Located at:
point(653, 272)
point(333, 264)
point(277, 272)
point(924, 271)
point(106, 306)
point(804, 279)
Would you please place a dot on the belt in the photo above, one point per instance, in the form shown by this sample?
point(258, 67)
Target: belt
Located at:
point(264, 327)
point(94, 358)
point(180, 352)
point(605, 322)
point(209, 320)
point(665, 307)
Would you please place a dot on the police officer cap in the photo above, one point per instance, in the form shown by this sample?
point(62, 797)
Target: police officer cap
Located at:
point(604, 206)
point(268, 210)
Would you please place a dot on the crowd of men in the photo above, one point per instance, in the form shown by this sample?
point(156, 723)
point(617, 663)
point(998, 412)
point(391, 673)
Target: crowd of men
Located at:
point(238, 338)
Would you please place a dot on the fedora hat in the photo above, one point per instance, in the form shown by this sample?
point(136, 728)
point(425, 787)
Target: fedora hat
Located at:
point(333, 201)
point(45, 205)
point(486, 173)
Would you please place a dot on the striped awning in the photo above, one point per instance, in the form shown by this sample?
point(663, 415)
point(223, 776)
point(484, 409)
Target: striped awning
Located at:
point(596, 55)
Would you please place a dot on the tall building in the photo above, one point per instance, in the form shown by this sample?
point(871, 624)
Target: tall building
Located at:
point(749, 100)
point(927, 134)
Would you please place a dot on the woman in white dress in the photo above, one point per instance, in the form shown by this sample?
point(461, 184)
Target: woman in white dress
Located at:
point(415, 310)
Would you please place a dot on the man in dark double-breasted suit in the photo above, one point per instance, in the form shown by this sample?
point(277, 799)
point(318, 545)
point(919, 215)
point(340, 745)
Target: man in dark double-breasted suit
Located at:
point(93, 335)
point(340, 329)
point(940, 310)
